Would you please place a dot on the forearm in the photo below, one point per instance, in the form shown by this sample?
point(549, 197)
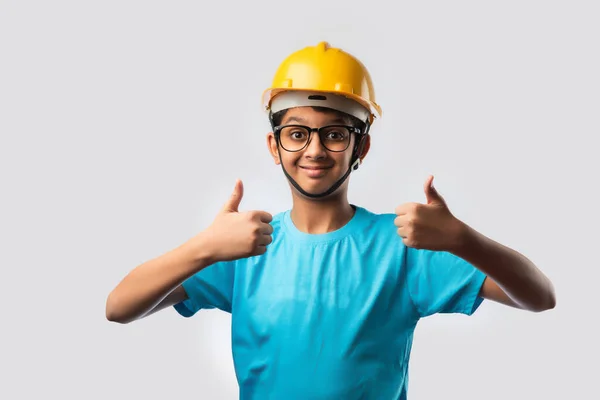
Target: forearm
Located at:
point(518, 277)
point(149, 283)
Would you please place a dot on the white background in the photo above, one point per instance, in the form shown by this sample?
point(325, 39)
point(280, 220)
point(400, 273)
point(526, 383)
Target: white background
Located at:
point(124, 125)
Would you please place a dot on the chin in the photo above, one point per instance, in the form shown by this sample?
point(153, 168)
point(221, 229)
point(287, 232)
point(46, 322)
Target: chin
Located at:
point(315, 185)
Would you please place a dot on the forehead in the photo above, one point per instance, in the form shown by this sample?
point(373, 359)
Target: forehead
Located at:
point(311, 116)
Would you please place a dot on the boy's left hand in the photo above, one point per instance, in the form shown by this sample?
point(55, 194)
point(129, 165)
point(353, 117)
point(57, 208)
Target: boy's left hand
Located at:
point(428, 226)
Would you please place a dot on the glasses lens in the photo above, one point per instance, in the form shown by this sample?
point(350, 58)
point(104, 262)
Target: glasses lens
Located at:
point(335, 138)
point(293, 138)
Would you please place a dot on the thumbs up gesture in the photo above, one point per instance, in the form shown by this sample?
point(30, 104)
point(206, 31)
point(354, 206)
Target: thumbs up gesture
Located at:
point(429, 226)
point(234, 234)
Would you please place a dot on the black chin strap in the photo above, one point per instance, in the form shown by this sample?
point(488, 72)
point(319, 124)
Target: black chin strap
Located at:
point(354, 164)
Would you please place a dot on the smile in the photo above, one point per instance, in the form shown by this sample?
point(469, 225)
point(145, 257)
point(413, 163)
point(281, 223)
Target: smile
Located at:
point(315, 168)
point(315, 172)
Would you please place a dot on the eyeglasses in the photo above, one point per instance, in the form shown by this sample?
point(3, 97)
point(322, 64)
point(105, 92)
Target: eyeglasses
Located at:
point(335, 138)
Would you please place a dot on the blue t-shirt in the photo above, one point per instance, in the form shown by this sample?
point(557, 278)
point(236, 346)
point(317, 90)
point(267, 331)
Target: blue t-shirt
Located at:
point(331, 316)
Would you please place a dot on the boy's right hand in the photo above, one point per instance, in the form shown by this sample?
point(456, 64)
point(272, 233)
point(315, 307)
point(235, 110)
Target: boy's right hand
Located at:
point(234, 235)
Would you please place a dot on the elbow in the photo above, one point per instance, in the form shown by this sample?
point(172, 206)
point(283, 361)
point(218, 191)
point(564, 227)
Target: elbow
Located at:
point(551, 298)
point(549, 305)
point(548, 302)
point(112, 310)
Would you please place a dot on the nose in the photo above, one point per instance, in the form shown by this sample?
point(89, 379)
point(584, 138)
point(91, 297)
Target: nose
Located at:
point(315, 150)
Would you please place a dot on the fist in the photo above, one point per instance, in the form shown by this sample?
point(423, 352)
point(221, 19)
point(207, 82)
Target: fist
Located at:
point(429, 226)
point(234, 235)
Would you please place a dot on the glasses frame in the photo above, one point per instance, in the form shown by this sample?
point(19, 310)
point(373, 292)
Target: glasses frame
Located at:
point(320, 131)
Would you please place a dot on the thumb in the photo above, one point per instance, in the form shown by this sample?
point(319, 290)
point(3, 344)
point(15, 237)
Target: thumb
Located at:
point(431, 193)
point(236, 198)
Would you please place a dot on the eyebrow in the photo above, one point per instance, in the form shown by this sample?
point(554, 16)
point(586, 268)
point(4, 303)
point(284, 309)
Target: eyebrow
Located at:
point(301, 120)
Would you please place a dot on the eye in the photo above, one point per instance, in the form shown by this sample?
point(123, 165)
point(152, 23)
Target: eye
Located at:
point(336, 134)
point(297, 135)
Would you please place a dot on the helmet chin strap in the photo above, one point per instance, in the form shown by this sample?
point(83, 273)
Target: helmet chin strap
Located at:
point(354, 164)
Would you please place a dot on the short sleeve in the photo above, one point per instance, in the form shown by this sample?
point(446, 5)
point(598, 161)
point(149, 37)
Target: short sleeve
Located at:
point(212, 287)
point(440, 282)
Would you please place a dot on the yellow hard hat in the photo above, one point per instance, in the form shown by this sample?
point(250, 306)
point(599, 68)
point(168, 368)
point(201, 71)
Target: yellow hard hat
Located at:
point(324, 70)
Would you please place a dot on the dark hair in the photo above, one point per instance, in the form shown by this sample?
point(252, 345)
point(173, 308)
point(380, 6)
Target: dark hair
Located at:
point(351, 120)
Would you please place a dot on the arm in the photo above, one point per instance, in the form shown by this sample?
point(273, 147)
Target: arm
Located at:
point(512, 280)
point(155, 284)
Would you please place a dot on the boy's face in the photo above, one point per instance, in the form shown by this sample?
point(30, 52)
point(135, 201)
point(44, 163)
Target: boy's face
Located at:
point(314, 168)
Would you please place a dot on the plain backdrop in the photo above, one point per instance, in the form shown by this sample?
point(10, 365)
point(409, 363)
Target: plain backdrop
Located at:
point(124, 125)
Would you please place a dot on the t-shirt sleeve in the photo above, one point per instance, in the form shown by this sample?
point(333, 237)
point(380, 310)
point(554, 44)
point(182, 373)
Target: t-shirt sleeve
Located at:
point(440, 282)
point(209, 288)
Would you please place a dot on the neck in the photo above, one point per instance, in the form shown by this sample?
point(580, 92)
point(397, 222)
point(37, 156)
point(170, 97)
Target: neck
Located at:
point(321, 216)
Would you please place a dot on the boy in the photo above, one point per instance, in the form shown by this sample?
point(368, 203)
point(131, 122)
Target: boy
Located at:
point(325, 297)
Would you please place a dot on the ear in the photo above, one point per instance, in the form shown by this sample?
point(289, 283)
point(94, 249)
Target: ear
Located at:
point(272, 145)
point(366, 146)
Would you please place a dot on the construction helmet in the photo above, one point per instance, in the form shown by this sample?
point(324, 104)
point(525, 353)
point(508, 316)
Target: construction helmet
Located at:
point(328, 77)
point(323, 76)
